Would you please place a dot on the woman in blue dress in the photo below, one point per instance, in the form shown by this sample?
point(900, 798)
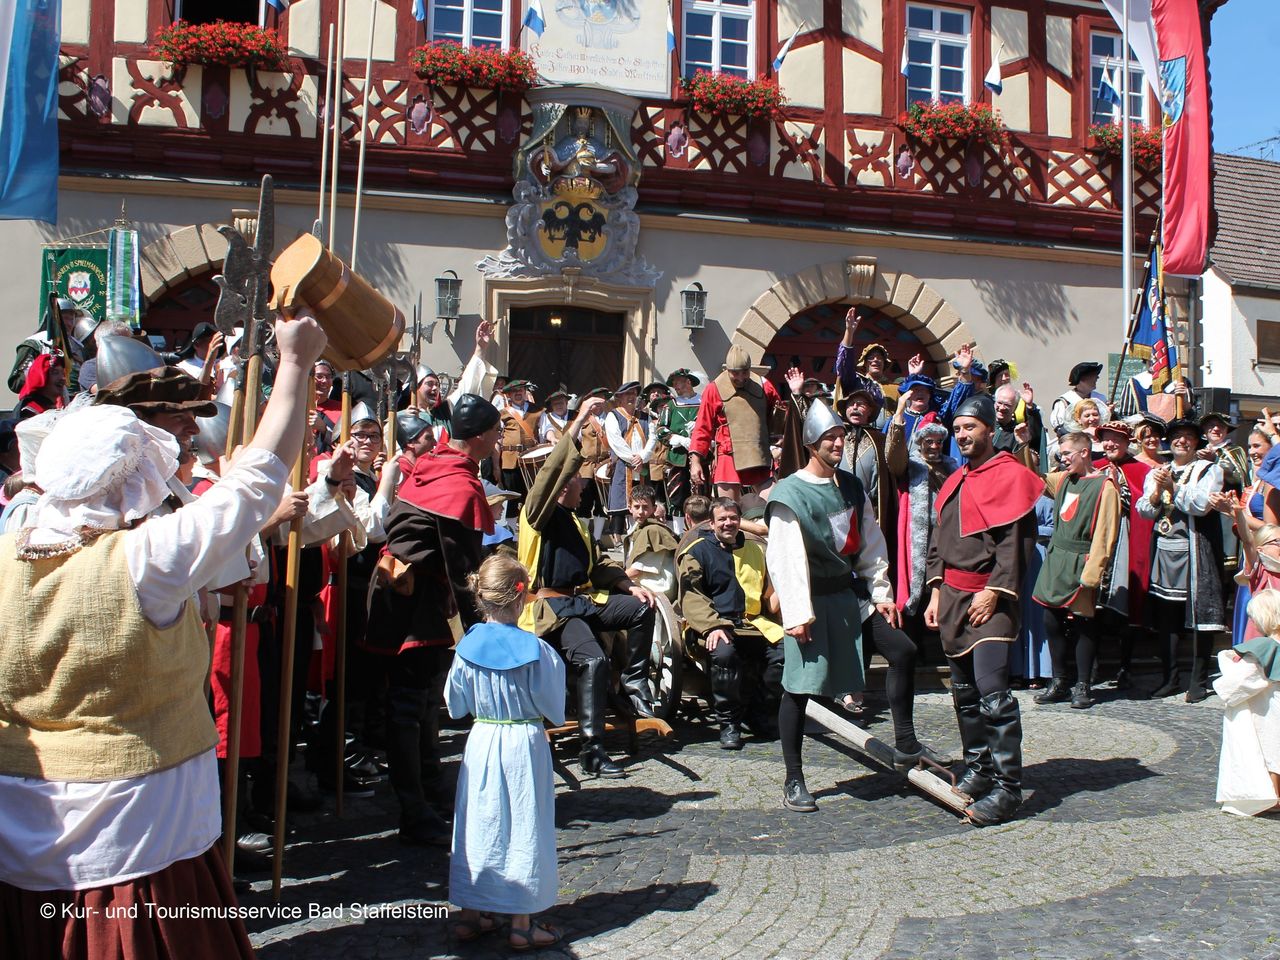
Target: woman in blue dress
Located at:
point(504, 826)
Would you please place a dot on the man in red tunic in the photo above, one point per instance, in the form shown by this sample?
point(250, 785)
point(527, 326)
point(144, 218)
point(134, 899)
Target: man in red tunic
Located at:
point(977, 563)
point(735, 413)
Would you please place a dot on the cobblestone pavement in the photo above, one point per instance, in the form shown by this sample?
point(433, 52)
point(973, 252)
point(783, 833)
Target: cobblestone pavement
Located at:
point(1119, 851)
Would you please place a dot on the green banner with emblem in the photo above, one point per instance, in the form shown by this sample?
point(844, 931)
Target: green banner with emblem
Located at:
point(76, 273)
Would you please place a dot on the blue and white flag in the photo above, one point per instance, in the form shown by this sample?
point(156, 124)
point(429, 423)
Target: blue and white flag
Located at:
point(905, 69)
point(671, 32)
point(993, 81)
point(30, 33)
point(280, 6)
point(1108, 92)
point(786, 47)
point(419, 10)
point(534, 19)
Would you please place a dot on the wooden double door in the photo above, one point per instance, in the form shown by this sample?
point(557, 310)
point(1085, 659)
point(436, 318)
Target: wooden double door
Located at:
point(568, 348)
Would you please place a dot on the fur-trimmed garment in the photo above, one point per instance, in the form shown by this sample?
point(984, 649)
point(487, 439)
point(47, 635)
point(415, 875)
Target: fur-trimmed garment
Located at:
point(918, 483)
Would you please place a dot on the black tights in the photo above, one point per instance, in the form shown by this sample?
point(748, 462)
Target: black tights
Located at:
point(1055, 628)
point(791, 731)
point(986, 667)
point(900, 682)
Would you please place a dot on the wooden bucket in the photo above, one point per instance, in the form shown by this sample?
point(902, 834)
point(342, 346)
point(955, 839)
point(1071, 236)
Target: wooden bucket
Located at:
point(363, 326)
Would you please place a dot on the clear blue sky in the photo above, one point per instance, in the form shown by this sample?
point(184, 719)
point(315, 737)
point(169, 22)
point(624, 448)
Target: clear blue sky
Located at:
point(1246, 44)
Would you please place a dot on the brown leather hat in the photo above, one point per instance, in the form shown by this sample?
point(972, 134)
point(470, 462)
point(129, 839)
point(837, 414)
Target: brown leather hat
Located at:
point(1122, 430)
point(168, 390)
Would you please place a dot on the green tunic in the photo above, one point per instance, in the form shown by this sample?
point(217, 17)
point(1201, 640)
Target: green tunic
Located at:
point(1075, 511)
point(677, 418)
point(830, 517)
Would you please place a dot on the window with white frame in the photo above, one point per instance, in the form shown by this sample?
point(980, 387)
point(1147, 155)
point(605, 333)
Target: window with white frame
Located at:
point(719, 37)
point(1105, 53)
point(937, 54)
point(470, 23)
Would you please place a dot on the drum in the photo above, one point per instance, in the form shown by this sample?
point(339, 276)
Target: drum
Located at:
point(603, 478)
point(531, 462)
point(363, 326)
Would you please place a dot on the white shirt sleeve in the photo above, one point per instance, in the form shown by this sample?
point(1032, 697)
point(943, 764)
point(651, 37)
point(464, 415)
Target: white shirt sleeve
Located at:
point(1145, 507)
point(1193, 497)
point(788, 566)
point(649, 445)
point(170, 557)
point(871, 563)
point(613, 433)
point(477, 377)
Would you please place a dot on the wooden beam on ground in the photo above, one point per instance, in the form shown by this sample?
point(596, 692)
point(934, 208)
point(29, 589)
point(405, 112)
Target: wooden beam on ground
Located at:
point(882, 754)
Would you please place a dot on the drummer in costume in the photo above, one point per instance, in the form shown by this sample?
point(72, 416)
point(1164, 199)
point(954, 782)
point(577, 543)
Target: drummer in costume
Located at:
point(821, 533)
point(420, 603)
point(986, 528)
point(632, 442)
point(1122, 598)
point(595, 467)
point(519, 432)
point(735, 414)
point(674, 427)
point(578, 593)
point(1086, 509)
point(553, 421)
point(105, 731)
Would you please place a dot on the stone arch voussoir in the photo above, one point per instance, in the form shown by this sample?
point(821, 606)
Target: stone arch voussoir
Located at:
point(177, 256)
point(910, 301)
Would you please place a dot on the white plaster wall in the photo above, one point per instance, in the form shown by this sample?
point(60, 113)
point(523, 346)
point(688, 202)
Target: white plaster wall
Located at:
point(131, 21)
point(801, 77)
point(864, 19)
point(75, 21)
point(791, 13)
point(1044, 315)
point(1220, 325)
point(355, 44)
point(1014, 103)
point(1058, 42)
point(1010, 28)
point(1059, 108)
point(861, 81)
point(1231, 338)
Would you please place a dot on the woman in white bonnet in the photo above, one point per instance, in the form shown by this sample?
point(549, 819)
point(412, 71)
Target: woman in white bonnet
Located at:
point(108, 779)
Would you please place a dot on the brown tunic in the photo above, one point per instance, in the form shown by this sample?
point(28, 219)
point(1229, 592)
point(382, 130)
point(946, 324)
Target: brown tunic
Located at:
point(519, 433)
point(746, 413)
point(1000, 554)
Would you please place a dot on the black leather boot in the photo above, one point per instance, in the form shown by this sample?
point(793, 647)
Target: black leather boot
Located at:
point(419, 823)
point(1058, 691)
point(635, 677)
point(1004, 723)
point(593, 682)
point(977, 778)
point(1081, 697)
point(1172, 681)
point(796, 797)
point(726, 698)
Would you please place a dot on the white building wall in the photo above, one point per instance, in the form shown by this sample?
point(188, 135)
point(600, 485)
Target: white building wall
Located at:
point(1231, 339)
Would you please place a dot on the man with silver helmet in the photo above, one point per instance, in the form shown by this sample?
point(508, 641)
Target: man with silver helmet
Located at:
point(74, 321)
point(822, 532)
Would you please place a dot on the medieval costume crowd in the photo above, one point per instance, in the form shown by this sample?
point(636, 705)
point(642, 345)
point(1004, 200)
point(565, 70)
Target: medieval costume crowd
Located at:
point(511, 557)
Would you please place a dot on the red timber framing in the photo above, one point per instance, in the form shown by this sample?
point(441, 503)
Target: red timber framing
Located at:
point(811, 164)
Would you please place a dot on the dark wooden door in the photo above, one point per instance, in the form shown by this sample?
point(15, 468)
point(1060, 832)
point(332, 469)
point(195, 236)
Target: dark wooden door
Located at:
point(567, 347)
point(810, 339)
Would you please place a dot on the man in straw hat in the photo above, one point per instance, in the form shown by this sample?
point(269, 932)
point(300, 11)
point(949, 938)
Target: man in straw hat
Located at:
point(734, 415)
point(985, 531)
point(104, 726)
point(821, 533)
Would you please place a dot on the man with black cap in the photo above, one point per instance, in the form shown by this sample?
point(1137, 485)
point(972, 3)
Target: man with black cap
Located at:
point(821, 533)
point(555, 418)
point(674, 427)
point(420, 603)
point(735, 415)
point(985, 531)
point(194, 354)
point(632, 442)
point(578, 593)
point(1082, 385)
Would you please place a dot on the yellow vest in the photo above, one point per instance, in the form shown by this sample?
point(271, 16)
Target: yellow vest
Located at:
point(749, 569)
point(536, 617)
point(89, 689)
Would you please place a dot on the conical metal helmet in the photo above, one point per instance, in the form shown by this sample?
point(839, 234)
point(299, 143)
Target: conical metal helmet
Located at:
point(211, 441)
point(362, 411)
point(119, 357)
point(818, 421)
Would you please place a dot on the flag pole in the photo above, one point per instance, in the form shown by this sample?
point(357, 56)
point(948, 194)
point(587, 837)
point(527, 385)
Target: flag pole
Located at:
point(365, 121)
point(1126, 164)
point(318, 228)
point(337, 121)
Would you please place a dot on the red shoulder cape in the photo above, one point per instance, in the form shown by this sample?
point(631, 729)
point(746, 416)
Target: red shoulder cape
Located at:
point(995, 494)
point(447, 482)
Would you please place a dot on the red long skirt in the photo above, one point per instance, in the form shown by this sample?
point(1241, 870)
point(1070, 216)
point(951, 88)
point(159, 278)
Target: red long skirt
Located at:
point(123, 922)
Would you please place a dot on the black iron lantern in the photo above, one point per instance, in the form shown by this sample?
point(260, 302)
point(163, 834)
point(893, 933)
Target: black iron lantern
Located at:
point(693, 307)
point(448, 296)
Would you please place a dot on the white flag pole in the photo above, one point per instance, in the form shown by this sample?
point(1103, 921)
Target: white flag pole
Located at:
point(337, 121)
point(365, 121)
point(324, 128)
point(1126, 165)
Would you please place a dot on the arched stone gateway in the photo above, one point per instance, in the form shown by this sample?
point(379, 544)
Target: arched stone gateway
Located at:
point(177, 257)
point(855, 280)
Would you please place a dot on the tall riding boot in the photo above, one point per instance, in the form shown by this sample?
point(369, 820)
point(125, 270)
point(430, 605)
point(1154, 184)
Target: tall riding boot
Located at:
point(979, 772)
point(1169, 661)
point(726, 699)
point(593, 689)
point(419, 823)
point(635, 677)
point(1004, 723)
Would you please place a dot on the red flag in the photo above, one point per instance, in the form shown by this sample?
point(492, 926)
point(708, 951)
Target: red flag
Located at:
point(1185, 102)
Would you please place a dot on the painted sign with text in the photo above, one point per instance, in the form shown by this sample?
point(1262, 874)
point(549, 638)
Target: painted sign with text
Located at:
point(619, 44)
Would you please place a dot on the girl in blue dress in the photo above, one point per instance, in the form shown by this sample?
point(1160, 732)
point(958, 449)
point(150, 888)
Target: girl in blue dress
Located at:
point(504, 826)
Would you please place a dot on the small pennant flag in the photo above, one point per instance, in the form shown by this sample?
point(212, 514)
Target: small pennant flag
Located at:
point(786, 47)
point(1107, 90)
point(534, 19)
point(280, 6)
point(671, 32)
point(905, 69)
point(419, 10)
point(993, 81)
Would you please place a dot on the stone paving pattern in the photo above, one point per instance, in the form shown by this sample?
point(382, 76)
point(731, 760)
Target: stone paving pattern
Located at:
point(1119, 851)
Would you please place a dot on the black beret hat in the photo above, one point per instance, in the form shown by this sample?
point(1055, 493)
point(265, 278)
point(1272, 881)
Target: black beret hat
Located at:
point(472, 416)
